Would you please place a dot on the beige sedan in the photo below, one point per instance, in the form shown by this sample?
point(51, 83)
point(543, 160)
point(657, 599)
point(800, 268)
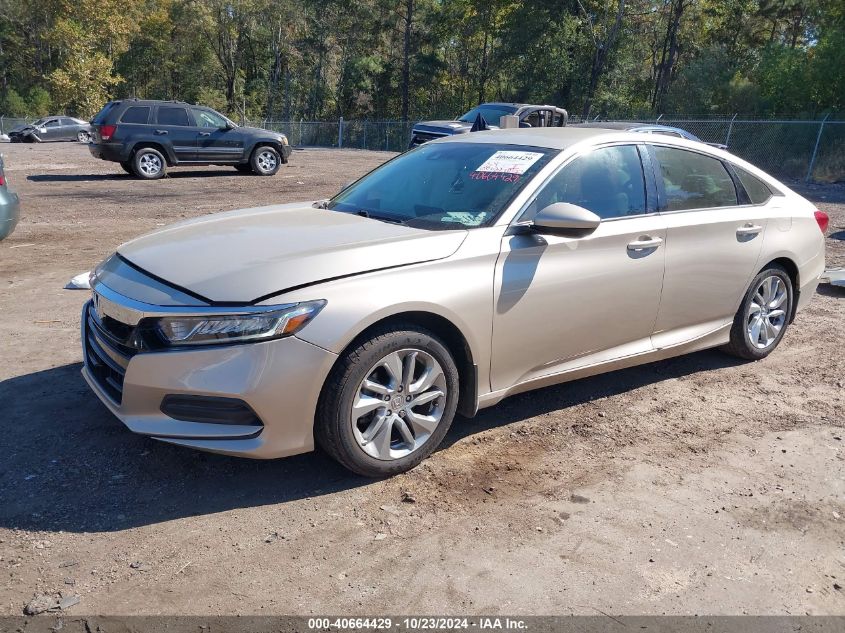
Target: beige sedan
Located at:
point(449, 278)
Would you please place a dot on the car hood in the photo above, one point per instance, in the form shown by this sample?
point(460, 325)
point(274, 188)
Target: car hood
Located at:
point(447, 127)
point(258, 130)
point(244, 256)
point(21, 128)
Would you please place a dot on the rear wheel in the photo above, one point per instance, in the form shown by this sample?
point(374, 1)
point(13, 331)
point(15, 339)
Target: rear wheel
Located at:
point(388, 402)
point(83, 137)
point(762, 319)
point(149, 164)
point(265, 160)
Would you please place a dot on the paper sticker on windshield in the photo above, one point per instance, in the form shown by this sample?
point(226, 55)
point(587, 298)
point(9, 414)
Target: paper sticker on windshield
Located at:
point(508, 162)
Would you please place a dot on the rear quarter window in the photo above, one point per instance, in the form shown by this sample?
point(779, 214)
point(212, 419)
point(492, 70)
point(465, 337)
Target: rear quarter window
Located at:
point(757, 190)
point(136, 114)
point(100, 117)
point(694, 181)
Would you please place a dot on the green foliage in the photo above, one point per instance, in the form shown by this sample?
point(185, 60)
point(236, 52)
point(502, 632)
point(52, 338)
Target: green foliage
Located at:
point(329, 58)
point(13, 104)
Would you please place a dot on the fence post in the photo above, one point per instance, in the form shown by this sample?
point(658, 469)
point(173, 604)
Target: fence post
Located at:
point(365, 134)
point(730, 129)
point(340, 133)
point(300, 132)
point(386, 136)
point(816, 149)
point(658, 118)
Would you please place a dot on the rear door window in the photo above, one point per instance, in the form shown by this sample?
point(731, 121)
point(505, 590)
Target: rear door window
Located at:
point(607, 181)
point(694, 181)
point(168, 115)
point(136, 114)
point(757, 190)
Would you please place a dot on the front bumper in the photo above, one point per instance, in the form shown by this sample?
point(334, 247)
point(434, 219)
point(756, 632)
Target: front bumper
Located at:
point(280, 380)
point(10, 212)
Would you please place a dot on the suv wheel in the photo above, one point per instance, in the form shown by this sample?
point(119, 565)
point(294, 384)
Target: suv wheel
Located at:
point(149, 164)
point(265, 160)
point(388, 402)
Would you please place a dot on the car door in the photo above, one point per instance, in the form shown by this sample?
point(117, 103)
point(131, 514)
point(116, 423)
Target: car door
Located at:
point(217, 142)
point(565, 302)
point(52, 130)
point(713, 243)
point(175, 128)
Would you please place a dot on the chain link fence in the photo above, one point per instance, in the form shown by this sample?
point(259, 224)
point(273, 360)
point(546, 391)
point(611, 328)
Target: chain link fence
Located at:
point(793, 149)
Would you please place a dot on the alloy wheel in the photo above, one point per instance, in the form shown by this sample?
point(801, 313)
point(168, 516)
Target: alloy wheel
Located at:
point(766, 312)
point(399, 404)
point(150, 164)
point(266, 161)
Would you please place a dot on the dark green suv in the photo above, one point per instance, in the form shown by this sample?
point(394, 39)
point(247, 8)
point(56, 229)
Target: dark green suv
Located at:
point(147, 137)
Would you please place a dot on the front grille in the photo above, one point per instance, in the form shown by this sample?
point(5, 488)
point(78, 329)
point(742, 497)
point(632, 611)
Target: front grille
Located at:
point(107, 352)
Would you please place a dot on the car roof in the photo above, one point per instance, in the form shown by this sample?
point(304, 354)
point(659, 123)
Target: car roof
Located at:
point(149, 102)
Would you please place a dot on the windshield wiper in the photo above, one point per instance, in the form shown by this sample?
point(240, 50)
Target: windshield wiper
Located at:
point(381, 218)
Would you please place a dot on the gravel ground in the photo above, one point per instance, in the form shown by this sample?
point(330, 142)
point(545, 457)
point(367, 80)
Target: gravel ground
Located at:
point(695, 485)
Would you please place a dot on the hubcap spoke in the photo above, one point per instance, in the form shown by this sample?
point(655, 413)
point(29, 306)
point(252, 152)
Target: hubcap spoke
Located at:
point(431, 375)
point(422, 423)
point(425, 398)
point(409, 366)
point(375, 387)
point(405, 432)
point(364, 405)
point(393, 365)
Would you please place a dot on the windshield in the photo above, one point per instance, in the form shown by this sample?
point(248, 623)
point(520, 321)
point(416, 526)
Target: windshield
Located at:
point(491, 113)
point(38, 123)
point(443, 186)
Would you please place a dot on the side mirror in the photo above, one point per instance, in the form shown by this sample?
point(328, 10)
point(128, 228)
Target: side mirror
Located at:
point(566, 218)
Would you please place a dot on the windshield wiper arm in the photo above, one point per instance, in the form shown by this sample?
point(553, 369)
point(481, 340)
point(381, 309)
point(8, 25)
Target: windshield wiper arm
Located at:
point(381, 218)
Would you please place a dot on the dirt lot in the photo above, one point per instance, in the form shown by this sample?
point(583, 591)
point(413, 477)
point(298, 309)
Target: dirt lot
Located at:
point(695, 485)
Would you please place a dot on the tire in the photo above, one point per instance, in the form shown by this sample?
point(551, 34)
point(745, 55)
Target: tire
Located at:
point(265, 160)
point(763, 316)
point(83, 137)
point(412, 432)
point(127, 167)
point(149, 164)
point(245, 168)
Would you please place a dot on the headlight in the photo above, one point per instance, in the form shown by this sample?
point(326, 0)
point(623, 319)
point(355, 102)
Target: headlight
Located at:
point(237, 328)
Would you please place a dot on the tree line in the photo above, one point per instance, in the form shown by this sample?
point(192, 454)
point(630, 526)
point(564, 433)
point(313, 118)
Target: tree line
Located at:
point(411, 59)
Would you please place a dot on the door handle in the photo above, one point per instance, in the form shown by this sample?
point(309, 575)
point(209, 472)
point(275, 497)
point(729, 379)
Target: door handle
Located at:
point(644, 243)
point(205, 133)
point(748, 230)
point(160, 132)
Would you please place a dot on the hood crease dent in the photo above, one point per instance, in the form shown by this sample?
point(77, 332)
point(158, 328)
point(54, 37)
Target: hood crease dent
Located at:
point(251, 255)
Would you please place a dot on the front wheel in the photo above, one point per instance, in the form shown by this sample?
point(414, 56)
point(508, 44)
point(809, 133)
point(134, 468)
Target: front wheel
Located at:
point(265, 160)
point(388, 402)
point(763, 316)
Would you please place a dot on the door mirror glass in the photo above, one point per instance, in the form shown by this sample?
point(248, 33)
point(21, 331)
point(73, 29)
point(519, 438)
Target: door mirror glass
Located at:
point(563, 217)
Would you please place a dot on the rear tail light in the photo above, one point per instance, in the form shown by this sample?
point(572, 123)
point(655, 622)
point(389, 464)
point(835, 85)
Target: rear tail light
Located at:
point(2, 180)
point(823, 220)
point(107, 131)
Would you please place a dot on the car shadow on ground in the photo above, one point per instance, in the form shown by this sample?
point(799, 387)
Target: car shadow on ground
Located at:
point(208, 173)
point(69, 465)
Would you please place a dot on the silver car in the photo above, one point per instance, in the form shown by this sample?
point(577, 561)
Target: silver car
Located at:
point(455, 275)
point(52, 128)
point(9, 206)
